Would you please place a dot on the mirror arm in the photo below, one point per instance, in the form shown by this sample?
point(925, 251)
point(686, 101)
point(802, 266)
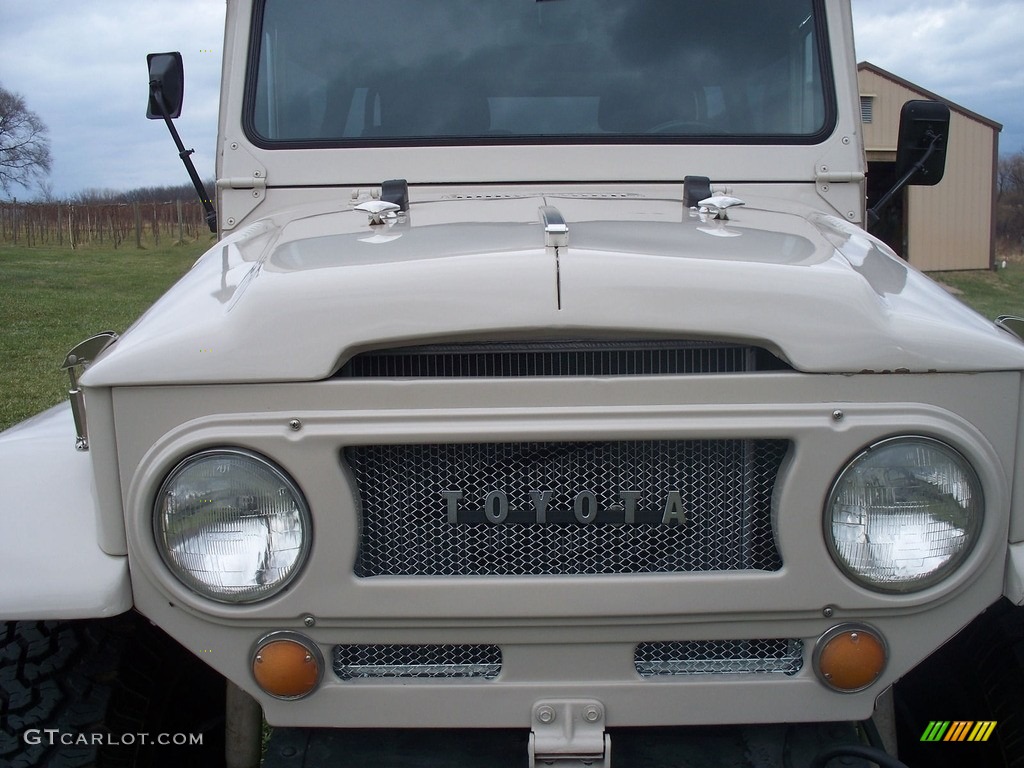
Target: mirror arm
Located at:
point(156, 90)
point(873, 212)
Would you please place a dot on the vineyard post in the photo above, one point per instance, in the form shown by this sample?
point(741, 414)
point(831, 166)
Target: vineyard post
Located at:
point(137, 214)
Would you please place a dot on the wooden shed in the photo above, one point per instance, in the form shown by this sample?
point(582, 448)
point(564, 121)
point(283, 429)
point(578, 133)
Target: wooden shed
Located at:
point(951, 225)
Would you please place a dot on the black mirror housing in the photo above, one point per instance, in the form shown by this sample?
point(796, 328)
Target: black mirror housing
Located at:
point(166, 76)
point(920, 150)
point(924, 126)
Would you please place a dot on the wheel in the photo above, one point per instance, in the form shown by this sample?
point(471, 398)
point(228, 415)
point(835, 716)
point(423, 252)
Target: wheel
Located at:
point(111, 693)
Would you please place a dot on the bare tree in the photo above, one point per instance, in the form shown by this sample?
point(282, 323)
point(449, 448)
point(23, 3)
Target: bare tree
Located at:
point(1010, 181)
point(24, 145)
point(1010, 202)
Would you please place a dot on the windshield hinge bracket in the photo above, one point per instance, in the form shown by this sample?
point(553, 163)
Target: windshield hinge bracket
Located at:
point(244, 182)
point(242, 185)
point(840, 187)
point(824, 175)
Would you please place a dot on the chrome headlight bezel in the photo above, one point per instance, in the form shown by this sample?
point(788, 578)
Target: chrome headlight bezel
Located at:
point(269, 472)
point(874, 573)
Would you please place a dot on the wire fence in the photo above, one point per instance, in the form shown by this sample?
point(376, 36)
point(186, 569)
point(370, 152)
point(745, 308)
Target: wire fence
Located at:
point(109, 224)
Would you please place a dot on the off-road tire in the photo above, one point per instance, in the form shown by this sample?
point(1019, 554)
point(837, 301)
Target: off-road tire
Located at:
point(63, 681)
point(976, 676)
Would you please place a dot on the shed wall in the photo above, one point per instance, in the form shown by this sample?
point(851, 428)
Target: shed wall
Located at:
point(950, 224)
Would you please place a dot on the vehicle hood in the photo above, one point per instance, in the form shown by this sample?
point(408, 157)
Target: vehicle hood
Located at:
point(292, 297)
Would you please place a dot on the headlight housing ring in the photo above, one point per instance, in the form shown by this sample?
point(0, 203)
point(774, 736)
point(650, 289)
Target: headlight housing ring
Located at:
point(904, 514)
point(231, 525)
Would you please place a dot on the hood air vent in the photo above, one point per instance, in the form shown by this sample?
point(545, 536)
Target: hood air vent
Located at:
point(561, 358)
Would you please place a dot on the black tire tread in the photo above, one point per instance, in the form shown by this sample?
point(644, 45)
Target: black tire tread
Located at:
point(54, 675)
point(112, 676)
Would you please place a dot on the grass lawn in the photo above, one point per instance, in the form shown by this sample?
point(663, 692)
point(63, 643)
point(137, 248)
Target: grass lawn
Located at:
point(53, 298)
point(990, 293)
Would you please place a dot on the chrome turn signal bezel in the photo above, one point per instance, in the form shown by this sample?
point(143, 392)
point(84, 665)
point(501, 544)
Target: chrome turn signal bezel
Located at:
point(873, 658)
point(292, 680)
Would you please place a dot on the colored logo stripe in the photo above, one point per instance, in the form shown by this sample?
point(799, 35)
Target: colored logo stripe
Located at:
point(959, 730)
point(935, 731)
point(982, 730)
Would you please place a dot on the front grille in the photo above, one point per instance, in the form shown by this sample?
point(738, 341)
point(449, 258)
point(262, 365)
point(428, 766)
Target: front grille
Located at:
point(563, 358)
point(697, 505)
point(719, 657)
point(352, 662)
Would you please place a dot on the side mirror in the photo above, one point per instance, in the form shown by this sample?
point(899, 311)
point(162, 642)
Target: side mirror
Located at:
point(920, 150)
point(166, 82)
point(924, 133)
point(166, 88)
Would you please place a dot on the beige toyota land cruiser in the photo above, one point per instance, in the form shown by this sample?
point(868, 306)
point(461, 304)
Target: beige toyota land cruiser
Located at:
point(543, 402)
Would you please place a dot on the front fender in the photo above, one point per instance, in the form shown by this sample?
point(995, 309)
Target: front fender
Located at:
point(51, 564)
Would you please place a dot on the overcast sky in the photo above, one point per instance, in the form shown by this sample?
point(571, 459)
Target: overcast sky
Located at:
point(81, 66)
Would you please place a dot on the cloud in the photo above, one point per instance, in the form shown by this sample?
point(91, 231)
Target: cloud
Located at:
point(969, 52)
point(84, 73)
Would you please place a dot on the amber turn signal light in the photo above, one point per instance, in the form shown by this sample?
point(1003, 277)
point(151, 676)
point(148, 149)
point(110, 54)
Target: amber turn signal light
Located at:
point(287, 665)
point(850, 657)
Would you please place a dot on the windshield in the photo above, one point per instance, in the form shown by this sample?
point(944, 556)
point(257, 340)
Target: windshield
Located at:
point(359, 73)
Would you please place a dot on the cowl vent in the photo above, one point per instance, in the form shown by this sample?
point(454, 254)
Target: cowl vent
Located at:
point(561, 358)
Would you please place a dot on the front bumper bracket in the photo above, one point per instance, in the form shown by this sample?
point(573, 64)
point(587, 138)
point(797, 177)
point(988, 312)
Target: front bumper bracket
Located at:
point(569, 733)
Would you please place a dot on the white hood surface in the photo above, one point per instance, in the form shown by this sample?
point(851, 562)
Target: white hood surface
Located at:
point(294, 296)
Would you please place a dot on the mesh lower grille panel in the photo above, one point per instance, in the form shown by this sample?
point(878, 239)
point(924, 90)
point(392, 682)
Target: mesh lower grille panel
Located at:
point(719, 657)
point(702, 505)
point(353, 662)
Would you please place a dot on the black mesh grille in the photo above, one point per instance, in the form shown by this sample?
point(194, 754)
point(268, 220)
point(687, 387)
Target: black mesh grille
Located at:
point(569, 358)
point(719, 657)
point(701, 505)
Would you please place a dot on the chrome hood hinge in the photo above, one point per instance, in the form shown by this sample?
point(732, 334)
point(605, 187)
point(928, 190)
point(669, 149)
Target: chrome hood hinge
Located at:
point(81, 356)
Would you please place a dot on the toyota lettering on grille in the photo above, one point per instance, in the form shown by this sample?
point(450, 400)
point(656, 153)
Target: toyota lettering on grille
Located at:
point(629, 509)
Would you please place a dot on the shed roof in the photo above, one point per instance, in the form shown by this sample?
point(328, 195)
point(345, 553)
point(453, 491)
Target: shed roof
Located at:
point(868, 66)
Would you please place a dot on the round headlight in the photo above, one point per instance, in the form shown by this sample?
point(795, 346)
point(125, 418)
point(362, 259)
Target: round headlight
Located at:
point(904, 514)
point(231, 525)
